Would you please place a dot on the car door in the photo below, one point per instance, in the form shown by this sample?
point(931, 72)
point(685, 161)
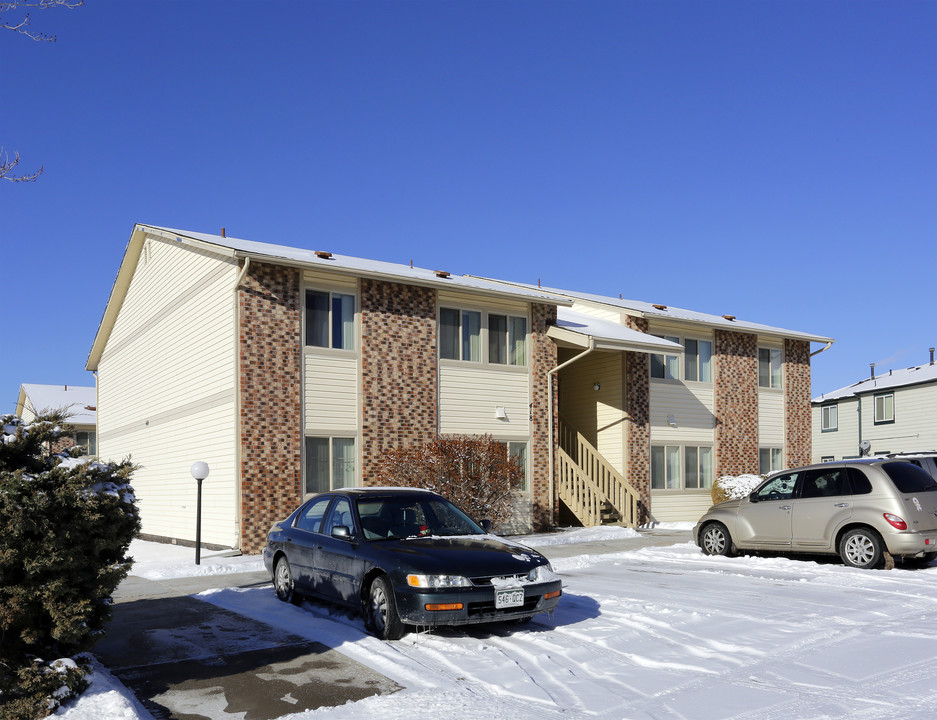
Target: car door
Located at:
point(822, 505)
point(764, 518)
point(340, 568)
point(302, 541)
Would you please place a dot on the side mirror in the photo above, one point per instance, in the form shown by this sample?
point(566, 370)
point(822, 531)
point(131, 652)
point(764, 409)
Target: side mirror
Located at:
point(753, 498)
point(341, 531)
point(486, 525)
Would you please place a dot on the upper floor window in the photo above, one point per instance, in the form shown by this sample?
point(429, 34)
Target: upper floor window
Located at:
point(885, 408)
point(697, 361)
point(829, 418)
point(461, 337)
point(769, 368)
point(330, 320)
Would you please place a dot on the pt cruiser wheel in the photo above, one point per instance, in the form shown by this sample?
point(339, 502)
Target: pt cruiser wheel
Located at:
point(715, 540)
point(861, 548)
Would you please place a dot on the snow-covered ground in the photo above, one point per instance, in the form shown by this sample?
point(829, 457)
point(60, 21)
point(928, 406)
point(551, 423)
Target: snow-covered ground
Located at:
point(658, 632)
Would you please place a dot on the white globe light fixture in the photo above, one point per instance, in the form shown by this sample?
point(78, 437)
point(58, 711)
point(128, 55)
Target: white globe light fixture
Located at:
point(199, 471)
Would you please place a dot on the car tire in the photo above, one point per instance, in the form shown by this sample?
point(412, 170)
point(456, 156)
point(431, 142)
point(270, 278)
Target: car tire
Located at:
point(283, 582)
point(380, 615)
point(715, 540)
point(861, 548)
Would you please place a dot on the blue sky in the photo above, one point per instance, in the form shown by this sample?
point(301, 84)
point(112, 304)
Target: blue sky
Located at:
point(773, 160)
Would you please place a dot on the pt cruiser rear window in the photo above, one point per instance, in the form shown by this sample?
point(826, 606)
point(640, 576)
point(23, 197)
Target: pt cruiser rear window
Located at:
point(909, 478)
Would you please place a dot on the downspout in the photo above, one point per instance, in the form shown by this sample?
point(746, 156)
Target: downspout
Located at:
point(237, 401)
point(551, 374)
point(823, 349)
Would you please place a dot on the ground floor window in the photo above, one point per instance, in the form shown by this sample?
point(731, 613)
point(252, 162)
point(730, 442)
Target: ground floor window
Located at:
point(681, 467)
point(330, 463)
point(770, 459)
point(518, 451)
point(88, 441)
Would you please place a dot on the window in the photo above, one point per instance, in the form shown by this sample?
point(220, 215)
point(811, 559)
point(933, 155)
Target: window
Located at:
point(461, 336)
point(769, 460)
point(518, 451)
point(330, 463)
point(311, 517)
point(330, 320)
point(769, 368)
point(697, 361)
point(339, 515)
point(676, 468)
point(778, 488)
point(829, 418)
point(885, 408)
point(832, 482)
point(87, 440)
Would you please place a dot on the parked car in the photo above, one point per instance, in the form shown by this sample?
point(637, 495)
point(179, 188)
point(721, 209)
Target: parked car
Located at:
point(926, 460)
point(405, 558)
point(858, 509)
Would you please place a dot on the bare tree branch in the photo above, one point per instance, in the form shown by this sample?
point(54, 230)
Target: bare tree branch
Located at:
point(7, 165)
point(21, 25)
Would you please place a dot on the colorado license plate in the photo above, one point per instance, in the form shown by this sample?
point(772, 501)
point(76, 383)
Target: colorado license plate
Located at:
point(508, 598)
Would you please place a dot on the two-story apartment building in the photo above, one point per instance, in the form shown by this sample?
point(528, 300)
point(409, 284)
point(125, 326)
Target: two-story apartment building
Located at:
point(77, 401)
point(290, 371)
point(894, 411)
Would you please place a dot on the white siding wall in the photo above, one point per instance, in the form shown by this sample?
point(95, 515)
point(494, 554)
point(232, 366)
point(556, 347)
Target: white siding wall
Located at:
point(468, 396)
point(687, 506)
point(844, 442)
point(771, 418)
point(167, 390)
point(330, 393)
point(691, 406)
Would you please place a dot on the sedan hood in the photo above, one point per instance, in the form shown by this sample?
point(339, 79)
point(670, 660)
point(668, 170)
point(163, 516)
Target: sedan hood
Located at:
point(468, 555)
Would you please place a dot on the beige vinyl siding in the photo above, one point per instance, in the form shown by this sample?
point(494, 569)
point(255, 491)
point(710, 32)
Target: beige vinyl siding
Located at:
point(29, 413)
point(315, 280)
point(469, 396)
point(687, 506)
point(330, 393)
point(915, 425)
point(844, 441)
point(770, 417)
point(598, 415)
point(691, 406)
point(521, 521)
point(166, 389)
point(603, 312)
point(447, 298)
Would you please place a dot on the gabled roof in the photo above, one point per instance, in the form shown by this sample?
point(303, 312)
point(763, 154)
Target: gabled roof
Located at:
point(637, 308)
point(892, 380)
point(576, 329)
point(79, 401)
point(302, 258)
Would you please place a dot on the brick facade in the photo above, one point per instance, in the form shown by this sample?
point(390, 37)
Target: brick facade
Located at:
point(543, 359)
point(270, 350)
point(797, 410)
point(736, 393)
point(399, 368)
point(637, 469)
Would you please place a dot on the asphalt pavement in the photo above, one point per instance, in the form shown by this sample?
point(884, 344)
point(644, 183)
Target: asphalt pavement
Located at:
point(187, 659)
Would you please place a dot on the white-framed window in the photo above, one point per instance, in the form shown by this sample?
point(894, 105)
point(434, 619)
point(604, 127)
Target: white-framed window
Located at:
point(829, 418)
point(330, 463)
point(697, 361)
point(87, 439)
point(770, 459)
point(828, 458)
point(770, 361)
point(463, 334)
point(885, 408)
point(681, 467)
point(330, 320)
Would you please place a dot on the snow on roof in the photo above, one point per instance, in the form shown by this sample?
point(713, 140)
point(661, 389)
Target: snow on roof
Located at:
point(369, 268)
point(611, 333)
point(79, 401)
point(886, 381)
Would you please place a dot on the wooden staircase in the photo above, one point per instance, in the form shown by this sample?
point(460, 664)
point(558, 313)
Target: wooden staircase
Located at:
point(594, 491)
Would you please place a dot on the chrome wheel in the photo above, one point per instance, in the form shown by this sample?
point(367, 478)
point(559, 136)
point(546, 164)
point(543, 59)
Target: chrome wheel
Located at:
point(861, 548)
point(715, 540)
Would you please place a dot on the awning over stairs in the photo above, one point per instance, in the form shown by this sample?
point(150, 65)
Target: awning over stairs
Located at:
point(574, 329)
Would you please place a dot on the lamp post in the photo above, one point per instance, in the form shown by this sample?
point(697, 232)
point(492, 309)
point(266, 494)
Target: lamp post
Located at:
point(199, 472)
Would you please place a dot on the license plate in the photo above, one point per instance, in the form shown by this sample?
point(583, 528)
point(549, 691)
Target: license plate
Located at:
point(508, 598)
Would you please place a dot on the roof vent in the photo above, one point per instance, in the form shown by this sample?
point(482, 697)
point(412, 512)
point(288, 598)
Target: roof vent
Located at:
point(441, 273)
point(729, 317)
point(323, 254)
point(931, 355)
point(90, 407)
point(660, 307)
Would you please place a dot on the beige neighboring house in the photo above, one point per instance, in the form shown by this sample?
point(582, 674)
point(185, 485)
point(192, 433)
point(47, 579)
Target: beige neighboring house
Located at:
point(80, 403)
point(290, 371)
point(887, 412)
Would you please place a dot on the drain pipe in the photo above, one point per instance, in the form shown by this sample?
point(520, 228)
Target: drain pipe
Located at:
point(551, 374)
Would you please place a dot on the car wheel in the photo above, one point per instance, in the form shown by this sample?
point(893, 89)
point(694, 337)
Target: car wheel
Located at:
point(283, 582)
point(380, 615)
point(715, 540)
point(861, 548)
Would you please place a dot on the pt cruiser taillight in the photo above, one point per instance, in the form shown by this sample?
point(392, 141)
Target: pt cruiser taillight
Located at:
point(895, 521)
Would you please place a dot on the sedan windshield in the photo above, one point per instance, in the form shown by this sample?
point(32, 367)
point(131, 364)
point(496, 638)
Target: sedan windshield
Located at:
point(396, 517)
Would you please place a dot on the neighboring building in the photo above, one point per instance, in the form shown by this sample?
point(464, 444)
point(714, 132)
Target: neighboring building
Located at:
point(892, 412)
point(290, 371)
point(78, 402)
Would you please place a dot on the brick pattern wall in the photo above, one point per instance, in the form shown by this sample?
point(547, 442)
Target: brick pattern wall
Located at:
point(399, 368)
point(270, 349)
point(797, 410)
point(736, 390)
point(638, 421)
point(543, 359)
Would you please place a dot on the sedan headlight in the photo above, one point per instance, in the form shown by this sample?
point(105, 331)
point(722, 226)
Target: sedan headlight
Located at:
point(542, 573)
point(435, 582)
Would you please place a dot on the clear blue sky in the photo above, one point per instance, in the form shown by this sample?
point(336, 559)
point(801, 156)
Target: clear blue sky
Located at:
point(774, 160)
